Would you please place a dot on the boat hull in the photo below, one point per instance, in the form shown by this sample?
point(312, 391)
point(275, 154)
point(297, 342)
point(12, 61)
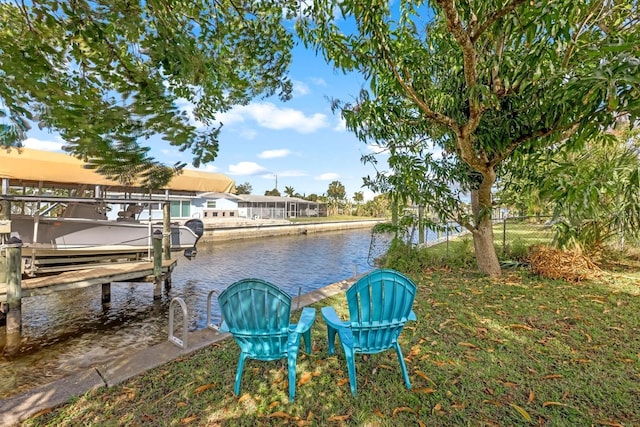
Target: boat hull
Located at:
point(63, 241)
point(71, 234)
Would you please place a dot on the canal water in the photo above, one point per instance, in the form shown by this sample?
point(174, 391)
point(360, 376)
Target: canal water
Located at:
point(72, 330)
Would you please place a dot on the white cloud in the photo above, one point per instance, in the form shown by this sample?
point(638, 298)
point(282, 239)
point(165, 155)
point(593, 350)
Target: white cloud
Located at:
point(246, 168)
point(266, 115)
point(318, 81)
point(329, 176)
point(270, 116)
point(341, 126)
point(248, 134)
point(367, 195)
point(300, 88)
point(235, 115)
point(291, 173)
point(272, 154)
point(41, 144)
point(206, 168)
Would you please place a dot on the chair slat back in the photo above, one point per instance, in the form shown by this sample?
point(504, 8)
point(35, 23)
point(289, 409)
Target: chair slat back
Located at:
point(257, 314)
point(379, 305)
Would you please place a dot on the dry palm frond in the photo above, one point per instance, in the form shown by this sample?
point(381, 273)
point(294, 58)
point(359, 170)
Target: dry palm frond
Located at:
point(566, 265)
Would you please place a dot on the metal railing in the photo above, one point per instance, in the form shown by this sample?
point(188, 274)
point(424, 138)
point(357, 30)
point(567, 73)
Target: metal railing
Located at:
point(184, 342)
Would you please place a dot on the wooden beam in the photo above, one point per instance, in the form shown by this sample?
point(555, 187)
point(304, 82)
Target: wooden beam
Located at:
point(84, 278)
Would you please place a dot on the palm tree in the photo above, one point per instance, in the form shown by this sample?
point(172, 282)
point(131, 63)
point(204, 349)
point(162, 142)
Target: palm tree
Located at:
point(336, 193)
point(358, 197)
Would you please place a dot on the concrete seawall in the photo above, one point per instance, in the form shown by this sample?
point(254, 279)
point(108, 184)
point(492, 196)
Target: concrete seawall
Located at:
point(222, 230)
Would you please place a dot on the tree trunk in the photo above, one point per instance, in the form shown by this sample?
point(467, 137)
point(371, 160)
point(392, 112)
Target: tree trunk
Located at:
point(481, 206)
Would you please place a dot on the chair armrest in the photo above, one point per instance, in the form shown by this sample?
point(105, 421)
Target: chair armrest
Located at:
point(307, 317)
point(223, 327)
point(331, 317)
point(412, 316)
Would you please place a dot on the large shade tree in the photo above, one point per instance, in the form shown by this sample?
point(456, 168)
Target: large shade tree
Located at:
point(109, 74)
point(458, 89)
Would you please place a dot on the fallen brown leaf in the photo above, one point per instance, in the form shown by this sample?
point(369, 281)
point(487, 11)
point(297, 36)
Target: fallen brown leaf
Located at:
point(551, 377)
point(41, 412)
point(468, 345)
point(244, 397)
point(279, 414)
point(519, 326)
point(188, 420)
point(545, 404)
point(305, 378)
point(415, 350)
point(203, 388)
point(532, 397)
point(509, 384)
point(343, 381)
point(610, 423)
point(424, 376)
point(396, 411)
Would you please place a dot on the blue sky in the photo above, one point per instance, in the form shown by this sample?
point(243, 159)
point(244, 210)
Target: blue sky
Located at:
point(300, 141)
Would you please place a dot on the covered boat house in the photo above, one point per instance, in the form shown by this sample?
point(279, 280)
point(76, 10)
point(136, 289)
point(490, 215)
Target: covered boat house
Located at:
point(35, 179)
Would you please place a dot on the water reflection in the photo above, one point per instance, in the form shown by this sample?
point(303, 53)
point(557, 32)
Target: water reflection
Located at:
point(72, 330)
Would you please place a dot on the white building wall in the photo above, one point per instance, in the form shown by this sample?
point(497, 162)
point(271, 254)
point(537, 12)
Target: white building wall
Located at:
point(226, 204)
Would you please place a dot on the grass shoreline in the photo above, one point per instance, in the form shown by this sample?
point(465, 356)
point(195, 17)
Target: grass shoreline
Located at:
point(521, 350)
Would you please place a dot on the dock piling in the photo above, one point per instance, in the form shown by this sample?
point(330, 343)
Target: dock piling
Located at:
point(14, 286)
point(157, 264)
point(106, 293)
point(166, 230)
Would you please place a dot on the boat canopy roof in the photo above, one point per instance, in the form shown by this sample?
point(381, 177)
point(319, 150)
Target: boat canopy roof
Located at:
point(30, 167)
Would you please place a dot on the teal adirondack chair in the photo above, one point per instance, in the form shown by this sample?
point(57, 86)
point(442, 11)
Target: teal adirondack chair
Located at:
point(380, 303)
point(257, 314)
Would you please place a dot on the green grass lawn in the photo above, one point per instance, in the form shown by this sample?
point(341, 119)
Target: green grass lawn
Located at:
point(516, 351)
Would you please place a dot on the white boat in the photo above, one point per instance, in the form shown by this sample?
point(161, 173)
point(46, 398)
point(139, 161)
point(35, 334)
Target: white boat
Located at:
point(84, 234)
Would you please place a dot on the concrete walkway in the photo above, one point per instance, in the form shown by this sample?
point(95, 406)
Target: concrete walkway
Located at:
point(22, 406)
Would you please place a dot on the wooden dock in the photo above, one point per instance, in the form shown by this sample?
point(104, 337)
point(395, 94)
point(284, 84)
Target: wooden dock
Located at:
point(100, 275)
